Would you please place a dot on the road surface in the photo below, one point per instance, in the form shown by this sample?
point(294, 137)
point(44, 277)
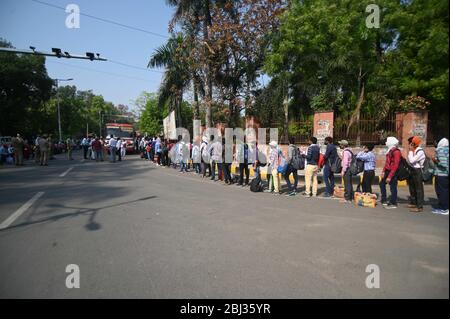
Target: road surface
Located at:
point(136, 230)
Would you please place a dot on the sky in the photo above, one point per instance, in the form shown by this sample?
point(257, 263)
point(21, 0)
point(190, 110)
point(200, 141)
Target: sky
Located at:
point(27, 23)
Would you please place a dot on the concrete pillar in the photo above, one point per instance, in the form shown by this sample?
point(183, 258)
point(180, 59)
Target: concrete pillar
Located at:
point(411, 123)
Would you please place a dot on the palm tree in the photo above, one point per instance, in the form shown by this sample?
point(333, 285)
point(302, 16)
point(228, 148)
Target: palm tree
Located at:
point(186, 9)
point(176, 77)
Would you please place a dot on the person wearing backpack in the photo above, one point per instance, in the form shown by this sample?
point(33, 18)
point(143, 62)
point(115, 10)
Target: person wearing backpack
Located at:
point(216, 158)
point(294, 159)
point(416, 158)
point(441, 177)
point(274, 162)
point(183, 154)
point(390, 173)
point(242, 159)
point(312, 168)
point(196, 156)
point(369, 159)
point(205, 157)
point(347, 156)
point(330, 157)
point(227, 148)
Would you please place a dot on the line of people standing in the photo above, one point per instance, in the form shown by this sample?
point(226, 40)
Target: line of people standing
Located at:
point(340, 159)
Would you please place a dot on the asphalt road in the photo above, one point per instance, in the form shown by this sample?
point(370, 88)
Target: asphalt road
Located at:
point(140, 231)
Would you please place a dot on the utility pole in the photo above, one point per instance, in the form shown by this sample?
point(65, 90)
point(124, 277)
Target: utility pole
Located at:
point(59, 111)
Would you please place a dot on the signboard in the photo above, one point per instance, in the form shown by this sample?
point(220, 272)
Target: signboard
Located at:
point(169, 125)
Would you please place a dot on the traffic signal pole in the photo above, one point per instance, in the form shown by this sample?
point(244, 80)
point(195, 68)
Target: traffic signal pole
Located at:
point(56, 53)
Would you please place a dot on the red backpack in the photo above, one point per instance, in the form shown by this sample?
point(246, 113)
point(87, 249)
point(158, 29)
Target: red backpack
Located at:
point(321, 161)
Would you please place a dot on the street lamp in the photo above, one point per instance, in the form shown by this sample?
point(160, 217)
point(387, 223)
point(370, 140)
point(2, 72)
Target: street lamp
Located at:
point(59, 112)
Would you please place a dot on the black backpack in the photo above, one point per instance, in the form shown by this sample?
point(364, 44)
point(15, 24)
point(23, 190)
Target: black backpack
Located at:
point(404, 169)
point(428, 168)
point(256, 185)
point(297, 161)
point(356, 165)
point(336, 165)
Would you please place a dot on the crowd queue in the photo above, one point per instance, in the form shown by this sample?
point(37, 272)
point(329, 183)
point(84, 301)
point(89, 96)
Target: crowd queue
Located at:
point(42, 148)
point(204, 156)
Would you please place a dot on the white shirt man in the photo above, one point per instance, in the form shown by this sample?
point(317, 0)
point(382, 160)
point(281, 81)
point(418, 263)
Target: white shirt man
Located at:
point(123, 149)
point(142, 143)
point(112, 142)
point(417, 157)
point(112, 149)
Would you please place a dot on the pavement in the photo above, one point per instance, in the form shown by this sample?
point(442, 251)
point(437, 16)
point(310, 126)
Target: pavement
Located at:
point(136, 230)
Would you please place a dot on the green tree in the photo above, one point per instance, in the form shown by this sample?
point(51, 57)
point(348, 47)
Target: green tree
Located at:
point(176, 77)
point(333, 58)
point(197, 15)
point(24, 86)
point(331, 54)
point(419, 64)
point(81, 112)
point(152, 115)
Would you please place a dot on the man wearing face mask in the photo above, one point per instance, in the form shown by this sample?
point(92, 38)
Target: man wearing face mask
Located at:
point(389, 174)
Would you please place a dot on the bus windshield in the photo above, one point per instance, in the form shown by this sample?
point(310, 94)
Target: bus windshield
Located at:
point(118, 132)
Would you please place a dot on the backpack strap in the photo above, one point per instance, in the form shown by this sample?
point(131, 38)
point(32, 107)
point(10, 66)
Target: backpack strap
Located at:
point(348, 150)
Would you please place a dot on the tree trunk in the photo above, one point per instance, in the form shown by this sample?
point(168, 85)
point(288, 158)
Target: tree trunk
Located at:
point(355, 118)
point(286, 118)
point(208, 99)
point(358, 116)
point(179, 106)
point(208, 87)
point(196, 104)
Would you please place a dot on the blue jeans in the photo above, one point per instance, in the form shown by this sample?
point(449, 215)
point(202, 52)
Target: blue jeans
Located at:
point(197, 168)
point(290, 170)
point(112, 154)
point(393, 188)
point(441, 187)
point(328, 176)
point(183, 166)
point(99, 155)
point(256, 171)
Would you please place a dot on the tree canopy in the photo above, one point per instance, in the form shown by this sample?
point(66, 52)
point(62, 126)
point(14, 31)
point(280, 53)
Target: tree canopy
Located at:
point(24, 87)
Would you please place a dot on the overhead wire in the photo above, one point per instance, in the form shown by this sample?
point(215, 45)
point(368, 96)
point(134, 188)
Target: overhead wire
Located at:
point(105, 20)
point(98, 71)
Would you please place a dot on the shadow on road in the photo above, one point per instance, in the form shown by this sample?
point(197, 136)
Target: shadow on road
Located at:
point(91, 225)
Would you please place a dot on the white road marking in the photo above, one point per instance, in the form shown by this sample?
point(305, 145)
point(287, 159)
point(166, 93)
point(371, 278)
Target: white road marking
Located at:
point(66, 172)
point(20, 211)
